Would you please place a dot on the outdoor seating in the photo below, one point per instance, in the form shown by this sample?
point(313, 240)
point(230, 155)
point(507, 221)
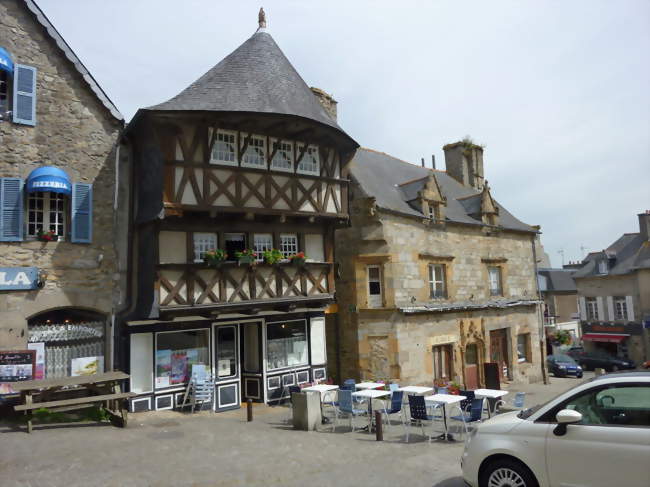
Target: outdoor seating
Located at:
point(516, 404)
point(395, 408)
point(418, 413)
point(472, 414)
point(346, 407)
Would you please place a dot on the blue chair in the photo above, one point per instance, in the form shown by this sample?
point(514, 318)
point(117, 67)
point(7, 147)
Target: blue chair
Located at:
point(442, 390)
point(418, 411)
point(475, 414)
point(393, 388)
point(349, 385)
point(345, 406)
point(517, 402)
point(395, 408)
point(465, 404)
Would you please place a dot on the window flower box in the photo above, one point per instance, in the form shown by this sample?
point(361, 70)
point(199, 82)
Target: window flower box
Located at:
point(48, 236)
point(214, 258)
point(273, 257)
point(246, 257)
point(298, 259)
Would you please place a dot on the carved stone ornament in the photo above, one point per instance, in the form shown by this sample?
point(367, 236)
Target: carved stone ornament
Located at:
point(261, 18)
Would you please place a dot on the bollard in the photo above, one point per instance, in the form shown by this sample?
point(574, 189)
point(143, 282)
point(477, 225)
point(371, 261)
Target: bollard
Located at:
point(379, 431)
point(249, 410)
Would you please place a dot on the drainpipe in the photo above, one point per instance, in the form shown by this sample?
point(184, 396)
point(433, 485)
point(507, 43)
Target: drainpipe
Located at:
point(540, 316)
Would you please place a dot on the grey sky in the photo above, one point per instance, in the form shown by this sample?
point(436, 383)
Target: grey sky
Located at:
point(556, 90)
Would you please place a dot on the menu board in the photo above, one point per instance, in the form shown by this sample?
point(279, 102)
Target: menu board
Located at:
point(16, 365)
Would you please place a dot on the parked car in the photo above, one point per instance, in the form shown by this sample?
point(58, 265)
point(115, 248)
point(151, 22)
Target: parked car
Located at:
point(595, 434)
point(561, 365)
point(592, 360)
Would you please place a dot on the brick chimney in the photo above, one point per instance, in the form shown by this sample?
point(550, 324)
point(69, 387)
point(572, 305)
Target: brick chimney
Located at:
point(464, 162)
point(644, 224)
point(326, 100)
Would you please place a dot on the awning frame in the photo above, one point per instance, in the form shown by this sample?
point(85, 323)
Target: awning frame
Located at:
point(605, 337)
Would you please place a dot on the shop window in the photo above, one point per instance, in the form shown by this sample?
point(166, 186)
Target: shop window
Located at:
point(261, 243)
point(286, 344)
point(176, 352)
point(437, 281)
point(442, 362)
point(255, 154)
point(224, 150)
point(252, 348)
point(234, 242)
point(203, 242)
point(592, 308)
point(288, 244)
point(375, 286)
point(309, 164)
point(141, 365)
point(283, 157)
point(523, 348)
point(495, 278)
point(620, 308)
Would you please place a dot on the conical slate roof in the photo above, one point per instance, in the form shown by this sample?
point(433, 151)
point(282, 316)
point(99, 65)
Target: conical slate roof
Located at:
point(256, 77)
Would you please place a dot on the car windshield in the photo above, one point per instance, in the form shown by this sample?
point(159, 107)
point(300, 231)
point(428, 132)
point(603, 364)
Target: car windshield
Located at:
point(564, 359)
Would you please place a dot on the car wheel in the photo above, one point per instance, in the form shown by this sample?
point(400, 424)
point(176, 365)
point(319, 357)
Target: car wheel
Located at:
point(507, 473)
point(579, 376)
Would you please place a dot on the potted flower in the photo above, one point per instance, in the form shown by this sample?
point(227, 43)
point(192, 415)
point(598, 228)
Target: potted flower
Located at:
point(48, 236)
point(298, 259)
point(214, 258)
point(273, 256)
point(246, 257)
point(453, 388)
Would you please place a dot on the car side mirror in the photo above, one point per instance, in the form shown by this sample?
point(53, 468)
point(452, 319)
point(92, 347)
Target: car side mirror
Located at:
point(564, 418)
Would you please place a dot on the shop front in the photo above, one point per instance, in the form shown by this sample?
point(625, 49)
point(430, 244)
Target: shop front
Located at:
point(619, 340)
point(250, 358)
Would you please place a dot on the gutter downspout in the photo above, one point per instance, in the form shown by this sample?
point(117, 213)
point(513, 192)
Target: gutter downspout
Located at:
point(540, 316)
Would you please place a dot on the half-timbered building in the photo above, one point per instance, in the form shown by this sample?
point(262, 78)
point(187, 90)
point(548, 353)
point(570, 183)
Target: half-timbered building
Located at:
point(246, 160)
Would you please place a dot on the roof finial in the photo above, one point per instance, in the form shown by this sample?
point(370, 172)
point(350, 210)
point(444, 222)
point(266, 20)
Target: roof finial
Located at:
point(261, 18)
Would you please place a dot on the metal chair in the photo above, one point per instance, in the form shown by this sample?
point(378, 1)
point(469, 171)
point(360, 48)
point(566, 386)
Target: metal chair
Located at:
point(345, 406)
point(516, 404)
point(474, 415)
point(395, 408)
point(418, 412)
point(393, 388)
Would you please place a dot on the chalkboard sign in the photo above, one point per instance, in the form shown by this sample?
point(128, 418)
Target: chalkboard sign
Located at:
point(16, 365)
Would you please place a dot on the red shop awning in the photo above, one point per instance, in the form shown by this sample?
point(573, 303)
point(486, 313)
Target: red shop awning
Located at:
point(604, 337)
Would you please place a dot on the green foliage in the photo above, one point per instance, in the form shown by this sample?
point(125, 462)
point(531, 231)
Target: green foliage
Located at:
point(272, 256)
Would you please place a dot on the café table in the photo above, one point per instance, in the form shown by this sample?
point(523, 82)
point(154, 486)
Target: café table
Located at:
point(488, 394)
point(370, 394)
point(324, 390)
point(369, 385)
point(445, 399)
point(415, 390)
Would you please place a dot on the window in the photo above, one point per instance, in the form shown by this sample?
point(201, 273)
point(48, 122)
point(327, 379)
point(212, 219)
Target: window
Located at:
point(523, 348)
point(434, 211)
point(202, 243)
point(375, 296)
point(255, 154)
point(442, 362)
point(309, 164)
point(602, 267)
point(176, 352)
point(4, 94)
point(234, 242)
point(620, 308)
point(286, 344)
point(224, 149)
point(46, 212)
point(226, 351)
point(288, 244)
point(283, 157)
point(262, 242)
point(494, 274)
point(592, 308)
point(437, 284)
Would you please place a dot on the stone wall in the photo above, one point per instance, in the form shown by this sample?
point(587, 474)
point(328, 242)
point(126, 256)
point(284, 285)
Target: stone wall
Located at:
point(76, 133)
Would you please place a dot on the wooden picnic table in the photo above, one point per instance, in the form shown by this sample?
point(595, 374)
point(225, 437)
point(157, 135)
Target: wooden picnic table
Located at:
point(103, 388)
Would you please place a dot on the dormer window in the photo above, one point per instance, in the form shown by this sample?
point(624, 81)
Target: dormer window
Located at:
point(309, 164)
point(255, 153)
point(602, 267)
point(224, 150)
point(282, 156)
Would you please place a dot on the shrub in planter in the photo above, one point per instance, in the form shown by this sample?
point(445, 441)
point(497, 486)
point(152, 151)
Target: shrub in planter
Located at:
point(246, 257)
point(48, 236)
point(214, 258)
point(272, 257)
point(298, 259)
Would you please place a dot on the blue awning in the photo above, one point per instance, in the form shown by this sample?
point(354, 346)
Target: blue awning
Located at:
point(51, 179)
point(6, 64)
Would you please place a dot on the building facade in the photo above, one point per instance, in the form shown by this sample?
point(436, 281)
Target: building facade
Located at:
point(560, 295)
point(437, 279)
point(247, 160)
point(59, 278)
point(614, 296)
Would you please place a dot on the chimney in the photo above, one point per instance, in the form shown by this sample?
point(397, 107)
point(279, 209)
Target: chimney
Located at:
point(644, 224)
point(433, 161)
point(464, 163)
point(326, 100)
point(423, 162)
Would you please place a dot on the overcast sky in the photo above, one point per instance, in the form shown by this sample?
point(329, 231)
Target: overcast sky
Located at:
point(557, 91)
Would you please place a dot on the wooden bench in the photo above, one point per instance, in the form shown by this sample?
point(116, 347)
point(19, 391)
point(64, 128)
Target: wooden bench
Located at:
point(106, 388)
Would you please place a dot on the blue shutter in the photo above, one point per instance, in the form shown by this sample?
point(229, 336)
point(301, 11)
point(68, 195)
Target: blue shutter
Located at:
point(11, 209)
point(24, 94)
point(82, 212)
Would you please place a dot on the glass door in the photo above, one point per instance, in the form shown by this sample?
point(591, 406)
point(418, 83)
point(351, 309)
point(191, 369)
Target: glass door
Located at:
point(226, 366)
point(251, 362)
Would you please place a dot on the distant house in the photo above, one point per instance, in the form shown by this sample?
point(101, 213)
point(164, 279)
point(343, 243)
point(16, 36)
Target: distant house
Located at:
point(558, 290)
point(437, 278)
point(614, 295)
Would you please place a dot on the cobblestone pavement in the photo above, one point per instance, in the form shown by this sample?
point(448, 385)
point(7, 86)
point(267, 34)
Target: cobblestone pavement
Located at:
point(205, 449)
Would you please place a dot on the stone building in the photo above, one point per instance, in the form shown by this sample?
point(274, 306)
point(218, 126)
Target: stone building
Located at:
point(560, 295)
point(57, 169)
point(247, 159)
point(614, 296)
point(436, 278)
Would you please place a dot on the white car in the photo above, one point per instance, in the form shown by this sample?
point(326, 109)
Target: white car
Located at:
point(596, 434)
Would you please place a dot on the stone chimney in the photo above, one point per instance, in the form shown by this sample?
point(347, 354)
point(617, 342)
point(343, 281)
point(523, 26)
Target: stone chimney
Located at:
point(464, 162)
point(326, 100)
point(644, 224)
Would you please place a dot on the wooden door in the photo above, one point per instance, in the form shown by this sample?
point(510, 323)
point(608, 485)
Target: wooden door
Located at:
point(499, 351)
point(471, 367)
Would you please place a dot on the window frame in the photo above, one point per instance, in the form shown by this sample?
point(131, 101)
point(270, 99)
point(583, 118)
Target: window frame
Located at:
point(499, 272)
point(259, 250)
point(433, 282)
point(226, 240)
point(280, 142)
point(6, 80)
point(622, 302)
point(603, 267)
point(252, 147)
point(379, 280)
point(301, 170)
point(591, 308)
point(266, 345)
point(197, 255)
point(235, 143)
point(47, 213)
point(155, 356)
point(443, 359)
point(527, 348)
point(287, 253)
